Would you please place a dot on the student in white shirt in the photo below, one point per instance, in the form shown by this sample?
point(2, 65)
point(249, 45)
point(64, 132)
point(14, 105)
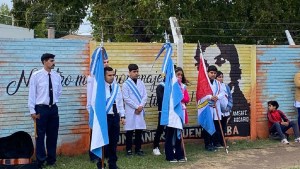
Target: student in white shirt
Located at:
point(135, 98)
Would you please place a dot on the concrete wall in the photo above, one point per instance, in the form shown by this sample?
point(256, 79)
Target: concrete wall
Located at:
point(8, 31)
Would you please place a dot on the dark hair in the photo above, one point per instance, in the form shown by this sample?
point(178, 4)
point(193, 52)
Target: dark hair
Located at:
point(132, 67)
point(273, 103)
point(183, 77)
point(219, 73)
point(212, 68)
point(106, 69)
point(47, 56)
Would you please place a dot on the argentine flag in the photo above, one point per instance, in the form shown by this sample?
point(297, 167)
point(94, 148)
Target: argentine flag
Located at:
point(98, 103)
point(172, 113)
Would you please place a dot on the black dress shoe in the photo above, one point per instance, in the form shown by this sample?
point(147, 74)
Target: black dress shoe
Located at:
point(210, 148)
point(140, 153)
point(129, 153)
point(113, 167)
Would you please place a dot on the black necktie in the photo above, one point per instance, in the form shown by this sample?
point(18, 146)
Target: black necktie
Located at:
point(114, 105)
point(50, 90)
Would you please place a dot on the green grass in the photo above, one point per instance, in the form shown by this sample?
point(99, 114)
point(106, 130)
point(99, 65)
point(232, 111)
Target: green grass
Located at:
point(194, 150)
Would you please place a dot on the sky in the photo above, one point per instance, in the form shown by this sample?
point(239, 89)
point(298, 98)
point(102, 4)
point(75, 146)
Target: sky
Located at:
point(84, 29)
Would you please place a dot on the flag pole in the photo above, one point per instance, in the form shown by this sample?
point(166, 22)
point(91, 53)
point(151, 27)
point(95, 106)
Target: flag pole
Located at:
point(35, 135)
point(35, 132)
point(167, 40)
point(225, 144)
point(102, 159)
point(102, 38)
point(183, 147)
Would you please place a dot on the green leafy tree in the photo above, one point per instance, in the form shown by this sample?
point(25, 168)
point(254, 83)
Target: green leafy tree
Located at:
point(64, 16)
point(5, 16)
point(210, 21)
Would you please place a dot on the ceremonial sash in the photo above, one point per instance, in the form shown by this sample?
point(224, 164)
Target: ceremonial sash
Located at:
point(134, 89)
point(110, 101)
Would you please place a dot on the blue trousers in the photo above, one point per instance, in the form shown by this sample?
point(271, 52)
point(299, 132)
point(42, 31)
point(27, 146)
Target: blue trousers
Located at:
point(47, 126)
point(281, 129)
point(298, 116)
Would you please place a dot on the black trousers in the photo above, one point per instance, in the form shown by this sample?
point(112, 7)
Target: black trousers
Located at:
point(47, 125)
point(159, 130)
point(172, 141)
point(215, 139)
point(137, 140)
point(217, 136)
point(113, 125)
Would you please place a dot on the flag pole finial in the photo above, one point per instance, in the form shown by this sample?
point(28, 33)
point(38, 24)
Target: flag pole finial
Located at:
point(102, 38)
point(199, 46)
point(167, 39)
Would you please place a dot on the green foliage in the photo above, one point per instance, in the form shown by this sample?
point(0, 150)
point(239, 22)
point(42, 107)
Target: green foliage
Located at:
point(209, 21)
point(65, 16)
point(5, 16)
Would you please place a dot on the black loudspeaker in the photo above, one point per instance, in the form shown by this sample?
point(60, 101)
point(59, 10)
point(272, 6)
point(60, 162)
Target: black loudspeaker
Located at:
point(16, 146)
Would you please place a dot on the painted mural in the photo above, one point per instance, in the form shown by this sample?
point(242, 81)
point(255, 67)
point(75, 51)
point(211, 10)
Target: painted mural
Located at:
point(229, 61)
point(20, 58)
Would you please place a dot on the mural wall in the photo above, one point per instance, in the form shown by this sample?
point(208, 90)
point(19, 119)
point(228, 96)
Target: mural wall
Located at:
point(18, 60)
point(233, 60)
point(254, 76)
point(276, 67)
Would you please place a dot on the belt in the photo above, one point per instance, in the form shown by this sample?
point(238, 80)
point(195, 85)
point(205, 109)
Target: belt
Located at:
point(112, 114)
point(45, 105)
point(15, 161)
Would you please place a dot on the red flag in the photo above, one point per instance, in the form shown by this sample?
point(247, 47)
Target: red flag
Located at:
point(203, 86)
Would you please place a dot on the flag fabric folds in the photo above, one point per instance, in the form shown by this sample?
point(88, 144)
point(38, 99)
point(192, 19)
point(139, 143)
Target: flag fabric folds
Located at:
point(98, 103)
point(205, 116)
point(172, 113)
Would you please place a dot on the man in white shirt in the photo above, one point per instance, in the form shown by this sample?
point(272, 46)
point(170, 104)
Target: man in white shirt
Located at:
point(115, 114)
point(135, 98)
point(90, 84)
point(44, 90)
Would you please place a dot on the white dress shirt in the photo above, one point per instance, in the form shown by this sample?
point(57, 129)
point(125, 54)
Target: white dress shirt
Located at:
point(39, 88)
point(119, 100)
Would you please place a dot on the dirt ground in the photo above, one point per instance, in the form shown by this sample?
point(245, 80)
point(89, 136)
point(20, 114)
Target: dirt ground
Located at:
point(281, 156)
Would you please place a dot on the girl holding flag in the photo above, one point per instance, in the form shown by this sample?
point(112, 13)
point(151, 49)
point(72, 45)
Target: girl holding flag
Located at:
point(186, 98)
point(173, 141)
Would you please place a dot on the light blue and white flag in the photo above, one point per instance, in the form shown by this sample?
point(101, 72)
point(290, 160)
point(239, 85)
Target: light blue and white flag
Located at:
point(98, 103)
point(172, 113)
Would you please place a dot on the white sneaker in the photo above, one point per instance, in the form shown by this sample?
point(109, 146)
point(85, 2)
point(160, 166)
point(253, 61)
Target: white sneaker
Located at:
point(284, 141)
point(156, 152)
point(297, 140)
